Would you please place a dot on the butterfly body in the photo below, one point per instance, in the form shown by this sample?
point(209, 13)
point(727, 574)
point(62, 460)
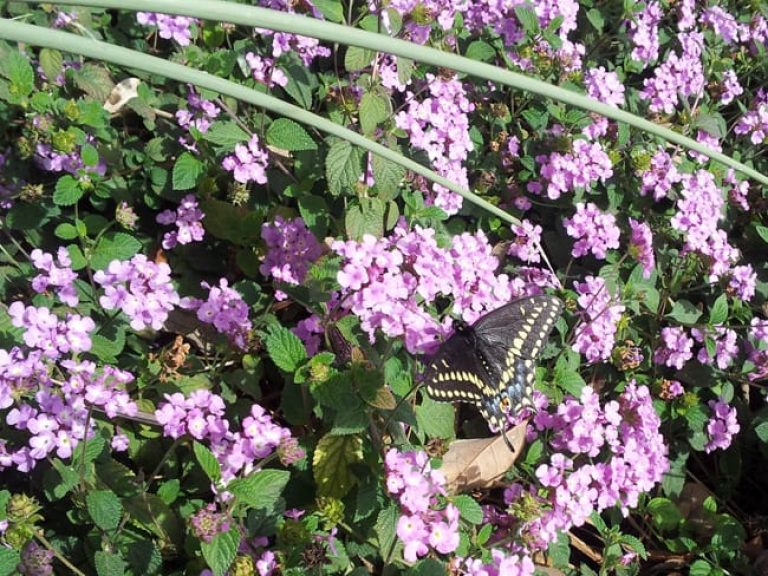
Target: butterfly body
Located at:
point(491, 364)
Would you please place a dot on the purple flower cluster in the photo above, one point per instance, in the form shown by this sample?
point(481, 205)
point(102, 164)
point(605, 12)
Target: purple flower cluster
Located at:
point(704, 137)
point(501, 564)
point(59, 276)
point(439, 125)
point(46, 332)
point(757, 352)
point(188, 219)
point(722, 426)
point(641, 246)
point(53, 161)
point(201, 416)
point(564, 172)
point(35, 560)
point(596, 335)
point(644, 33)
point(101, 387)
point(675, 349)
point(731, 88)
point(594, 231)
point(743, 282)
point(140, 288)
point(248, 163)
point(388, 282)
point(525, 245)
point(168, 27)
point(309, 330)
point(306, 48)
point(573, 485)
point(723, 24)
point(604, 86)
point(754, 122)
point(425, 524)
point(677, 76)
point(208, 522)
point(264, 70)
point(199, 115)
point(725, 346)
point(661, 176)
point(291, 250)
point(224, 309)
point(739, 190)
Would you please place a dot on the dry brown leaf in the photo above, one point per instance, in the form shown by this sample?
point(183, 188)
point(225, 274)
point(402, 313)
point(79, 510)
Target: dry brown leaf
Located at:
point(123, 91)
point(482, 462)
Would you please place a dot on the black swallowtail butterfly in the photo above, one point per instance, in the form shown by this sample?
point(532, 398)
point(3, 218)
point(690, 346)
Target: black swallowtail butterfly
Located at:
point(491, 364)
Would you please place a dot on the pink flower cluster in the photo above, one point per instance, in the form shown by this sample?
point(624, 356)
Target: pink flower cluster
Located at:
point(45, 331)
point(168, 27)
point(524, 246)
point(264, 70)
point(586, 165)
point(594, 231)
point(754, 122)
point(675, 349)
point(61, 277)
point(661, 176)
point(388, 283)
point(439, 125)
point(201, 416)
point(140, 288)
point(633, 458)
point(209, 522)
point(644, 33)
point(722, 426)
point(291, 250)
point(641, 246)
point(425, 524)
point(596, 334)
point(501, 564)
point(198, 115)
point(53, 161)
point(188, 219)
point(248, 163)
point(225, 310)
point(677, 76)
point(725, 346)
point(604, 86)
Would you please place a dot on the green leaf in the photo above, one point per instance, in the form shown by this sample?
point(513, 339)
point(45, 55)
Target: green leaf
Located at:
point(220, 552)
point(186, 171)
point(701, 568)
point(67, 192)
point(343, 167)
point(226, 134)
point(235, 224)
point(436, 419)
point(387, 176)
point(105, 508)
point(365, 217)
point(386, 530)
point(299, 85)
point(114, 246)
point(314, 212)
point(374, 109)
point(51, 62)
point(357, 58)
point(332, 462)
point(570, 381)
point(261, 489)
point(427, 567)
point(684, 312)
point(596, 19)
point(9, 559)
point(719, 312)
point(469, 509)
point(108, 564)
point(23, 216)
point(664, 513)
point(285, 348)
point(107, 344)
point(207, 461)
point(762, 231)
point(481, 51)
point(762, 432)
point(289, 135)
point(528, 19)
point(18, 70)
point(94, 80)
point(331, 10)
point(66, 231)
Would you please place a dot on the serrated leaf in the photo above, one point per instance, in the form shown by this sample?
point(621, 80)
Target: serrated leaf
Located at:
point(186, 170)
point(436, 419)
point(220, 552)
point(596, 19)
point(107, 346)
point(95, 81)
point(114, 246)
point(762, 432)
point(387, 176)
point(332, 461)
point(52, 63)
point(386, 529)
point(108, 564)
point(226, 134)
point(18, 70)
point(664, 513)
point(762, 231)
point(365, 217)
point(469, 509)
point(684, 312)
point(289, 135)
point(299, 86)
point(343, 167)
point(9, 559)
point(285, 349)
point(528, 19)
point(314, 212)
point(374, 109)
point(331, 10)
point(235, 224)
point(207, 461)
point(67, 192)
point(357, 58)
point(570, 381)
point(105, 508)
point(260, 489)
point(66, 231)
point(481, 51)
point(719, 311)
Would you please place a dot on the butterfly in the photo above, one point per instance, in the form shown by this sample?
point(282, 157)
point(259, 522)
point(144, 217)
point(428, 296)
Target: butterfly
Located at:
point(492, 363)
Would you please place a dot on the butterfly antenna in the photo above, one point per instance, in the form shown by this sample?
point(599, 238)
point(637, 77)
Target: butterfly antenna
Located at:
point(507, 441)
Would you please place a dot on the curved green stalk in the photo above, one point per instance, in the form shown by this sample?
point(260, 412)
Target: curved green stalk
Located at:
point(273, 20)
point(38, 36)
